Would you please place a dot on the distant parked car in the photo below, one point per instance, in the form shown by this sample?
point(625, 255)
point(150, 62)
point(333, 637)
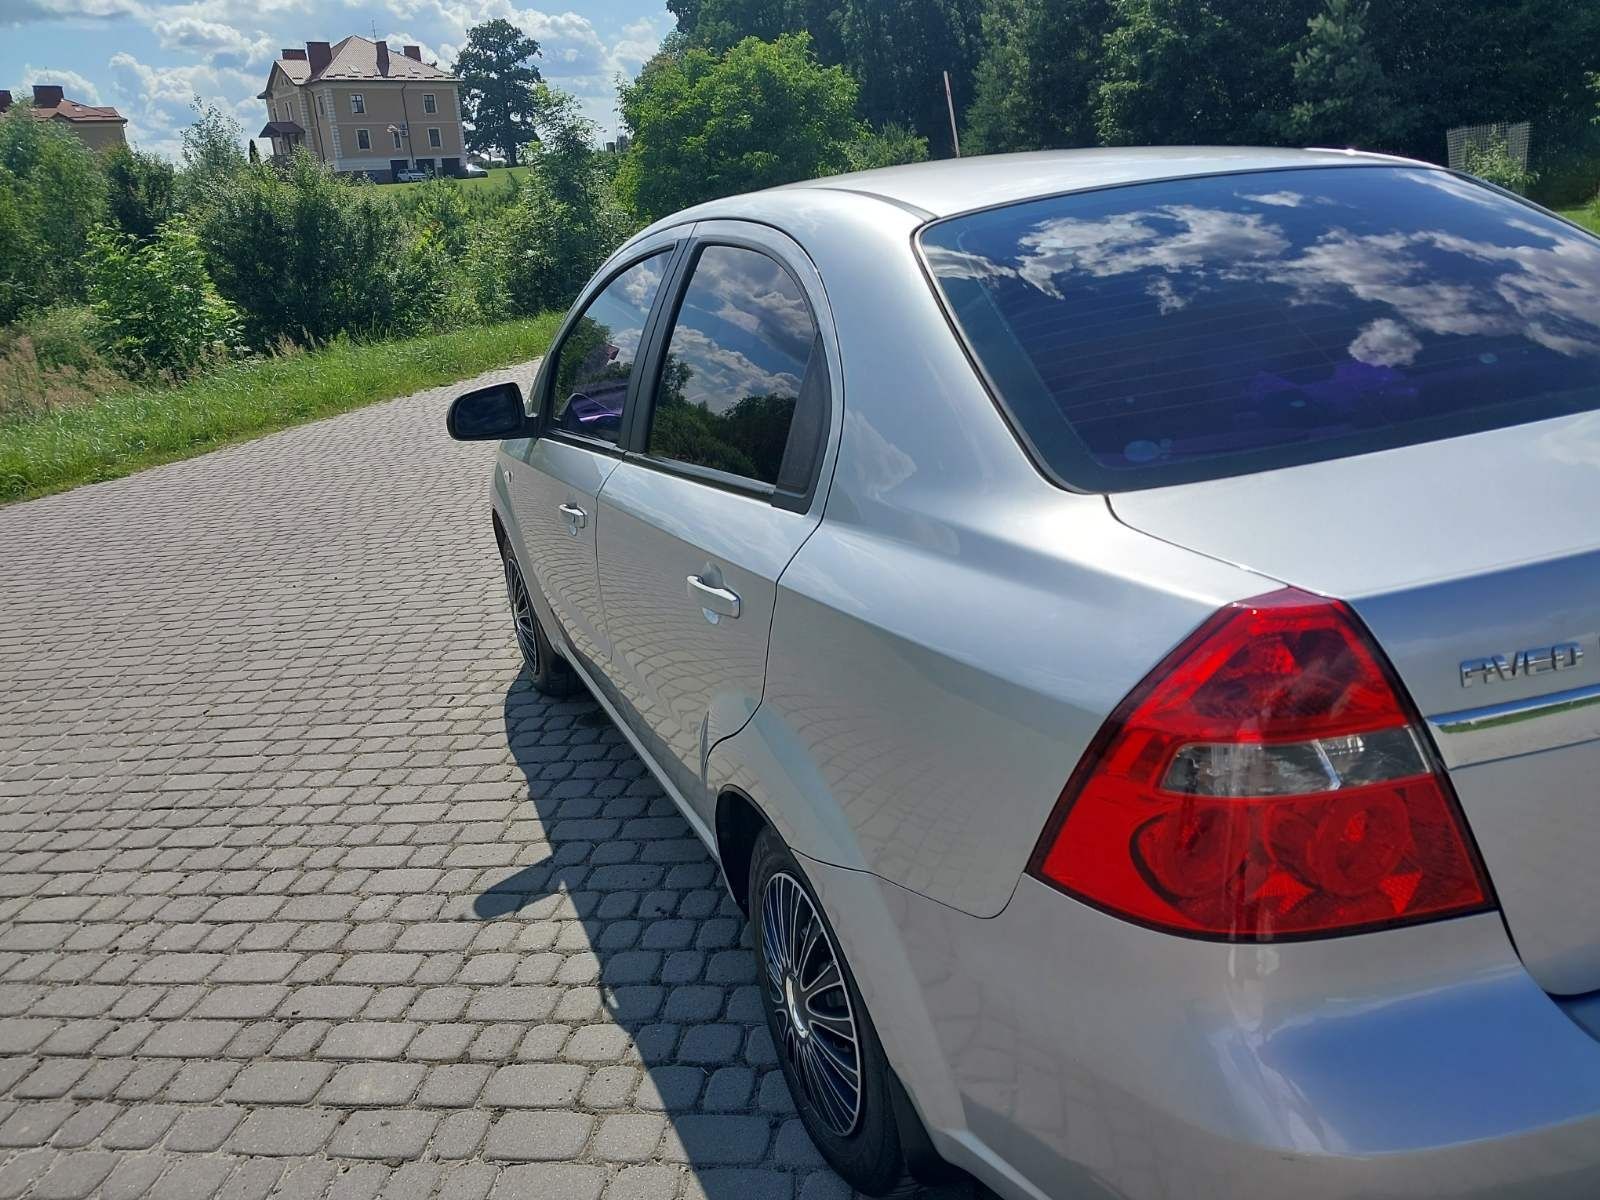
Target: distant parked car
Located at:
point(1125, 623)
point(473, 171)
point(410, 175)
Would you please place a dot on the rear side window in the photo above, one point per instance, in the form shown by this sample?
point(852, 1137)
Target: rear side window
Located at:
point(735, 371)
point(1200, 328)
point(594, 363)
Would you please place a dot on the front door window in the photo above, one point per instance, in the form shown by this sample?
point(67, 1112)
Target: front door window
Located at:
point(594, 364)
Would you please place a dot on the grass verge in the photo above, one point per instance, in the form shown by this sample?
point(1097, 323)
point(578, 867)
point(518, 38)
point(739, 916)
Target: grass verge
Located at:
point(1588, 217)
point(131, 430)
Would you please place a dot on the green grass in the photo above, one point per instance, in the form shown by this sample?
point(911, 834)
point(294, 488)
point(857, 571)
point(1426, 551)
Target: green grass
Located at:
point(495, 178)
point(1588, 217)
point(131, 430)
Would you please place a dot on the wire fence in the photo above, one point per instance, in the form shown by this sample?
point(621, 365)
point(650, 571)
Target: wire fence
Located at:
point(1461, 141)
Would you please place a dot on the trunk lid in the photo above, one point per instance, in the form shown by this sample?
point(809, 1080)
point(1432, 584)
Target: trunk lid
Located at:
point(1475, 562)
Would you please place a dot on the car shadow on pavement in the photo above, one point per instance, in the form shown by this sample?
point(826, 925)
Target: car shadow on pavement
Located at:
point(649, 969)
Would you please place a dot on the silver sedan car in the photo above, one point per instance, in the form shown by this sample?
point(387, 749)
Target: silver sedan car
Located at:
point(1127, 623)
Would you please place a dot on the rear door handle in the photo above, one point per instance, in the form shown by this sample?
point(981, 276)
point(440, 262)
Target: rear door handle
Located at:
point(713, 599)
point(576, 517)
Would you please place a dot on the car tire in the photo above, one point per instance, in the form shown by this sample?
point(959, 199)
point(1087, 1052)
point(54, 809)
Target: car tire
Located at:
point(549, 673)
point(811, 1020)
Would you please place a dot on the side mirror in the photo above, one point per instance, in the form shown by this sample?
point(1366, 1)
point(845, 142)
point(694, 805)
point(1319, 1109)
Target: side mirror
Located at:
point(489, 414)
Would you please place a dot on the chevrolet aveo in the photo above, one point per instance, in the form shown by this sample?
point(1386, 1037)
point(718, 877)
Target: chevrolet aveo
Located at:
point(1128, 625)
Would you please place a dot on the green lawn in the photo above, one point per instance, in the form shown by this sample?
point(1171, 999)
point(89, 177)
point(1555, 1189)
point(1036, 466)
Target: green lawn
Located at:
point(495, 178)
point(130, 430)
point(1589, 218)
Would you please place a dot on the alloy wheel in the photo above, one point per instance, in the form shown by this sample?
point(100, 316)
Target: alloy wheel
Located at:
point(816, 1028)
point(522, 614)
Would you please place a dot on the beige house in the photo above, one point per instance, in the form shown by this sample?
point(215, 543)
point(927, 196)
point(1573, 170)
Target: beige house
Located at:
point(97, 127)
point(361, 108)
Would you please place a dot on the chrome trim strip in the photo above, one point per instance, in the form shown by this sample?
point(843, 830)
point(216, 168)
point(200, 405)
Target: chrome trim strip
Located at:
point(1474, 735)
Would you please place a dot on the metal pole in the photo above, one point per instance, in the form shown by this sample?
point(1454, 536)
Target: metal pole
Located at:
point(951, 105)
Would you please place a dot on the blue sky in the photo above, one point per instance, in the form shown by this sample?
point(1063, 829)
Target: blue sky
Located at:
point(149, 57)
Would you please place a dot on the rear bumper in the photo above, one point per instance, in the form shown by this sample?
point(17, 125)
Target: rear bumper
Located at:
point(1057, 1052)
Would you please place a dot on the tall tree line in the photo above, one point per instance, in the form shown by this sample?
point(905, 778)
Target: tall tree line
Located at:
point(1390, 75)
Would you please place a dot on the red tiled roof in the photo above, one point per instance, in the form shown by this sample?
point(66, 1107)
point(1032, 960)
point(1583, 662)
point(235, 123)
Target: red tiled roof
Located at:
point(356, 59)
point(71, 110)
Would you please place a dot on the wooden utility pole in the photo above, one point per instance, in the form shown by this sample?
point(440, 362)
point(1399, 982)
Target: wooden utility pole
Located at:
point(950, 103)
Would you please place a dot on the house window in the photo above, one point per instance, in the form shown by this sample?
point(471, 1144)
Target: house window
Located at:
point(358, 102)
point(434, 139)
point(394, 134)
point(429, 104)
point(363, 139)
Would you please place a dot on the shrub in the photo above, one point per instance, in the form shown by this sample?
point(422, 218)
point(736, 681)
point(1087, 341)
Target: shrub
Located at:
point(886, 147)
point(306, 255)
point(142, 191)
point(157, 309)
point(539, 252)
point(1493, 162)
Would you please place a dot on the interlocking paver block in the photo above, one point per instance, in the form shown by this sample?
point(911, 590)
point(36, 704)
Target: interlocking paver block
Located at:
point(544, 1136)
point(388, 1134)
point(304, 892)
point(280, 1131)
point(538, 1085)
point(550, 1181)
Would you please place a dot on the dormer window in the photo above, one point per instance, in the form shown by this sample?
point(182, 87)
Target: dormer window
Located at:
point(358, 103)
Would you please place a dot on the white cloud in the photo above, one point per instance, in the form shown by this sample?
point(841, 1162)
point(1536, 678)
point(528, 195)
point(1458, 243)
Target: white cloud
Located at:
point(75, 85)
point(17, 12)
point(1280, 199)
point(157, 100)
point(212, 39)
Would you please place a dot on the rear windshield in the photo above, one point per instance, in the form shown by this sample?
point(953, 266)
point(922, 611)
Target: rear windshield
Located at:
point(1199, 328)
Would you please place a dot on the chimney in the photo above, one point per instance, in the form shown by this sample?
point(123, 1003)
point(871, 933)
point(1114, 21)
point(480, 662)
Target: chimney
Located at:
point(383, 58)
point(319, 55)
point(46, 95)
point(292, 54)
point(414, 52)
point(5, 100)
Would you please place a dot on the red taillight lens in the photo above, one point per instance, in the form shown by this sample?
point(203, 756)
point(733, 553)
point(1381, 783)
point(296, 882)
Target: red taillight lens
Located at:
point(1266, 781)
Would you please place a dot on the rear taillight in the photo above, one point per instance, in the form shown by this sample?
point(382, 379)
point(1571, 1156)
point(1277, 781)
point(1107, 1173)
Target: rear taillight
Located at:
point(1267, 780)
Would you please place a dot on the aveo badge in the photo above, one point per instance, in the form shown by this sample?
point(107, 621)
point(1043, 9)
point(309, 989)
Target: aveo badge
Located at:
point(1536, 660)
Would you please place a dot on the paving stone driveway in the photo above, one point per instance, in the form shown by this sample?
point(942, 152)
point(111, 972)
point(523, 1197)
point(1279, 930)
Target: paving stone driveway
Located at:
point(303, 892)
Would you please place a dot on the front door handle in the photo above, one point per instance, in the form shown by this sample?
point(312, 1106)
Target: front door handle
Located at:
point(713, 599)
point(576, 518)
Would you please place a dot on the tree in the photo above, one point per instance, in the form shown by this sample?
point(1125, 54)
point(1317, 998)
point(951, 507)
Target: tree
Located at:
point(498, 77)
point(54, 193)
point(1343, 94)
point(705, 125)
point(213, 149)
point(141, 190)
point(1188, 71)
point(898, 51)
point(538, 254)
point(1034, 86)
point(719, 25)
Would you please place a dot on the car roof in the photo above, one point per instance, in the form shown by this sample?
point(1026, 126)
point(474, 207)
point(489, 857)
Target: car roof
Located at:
point(953, 185)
